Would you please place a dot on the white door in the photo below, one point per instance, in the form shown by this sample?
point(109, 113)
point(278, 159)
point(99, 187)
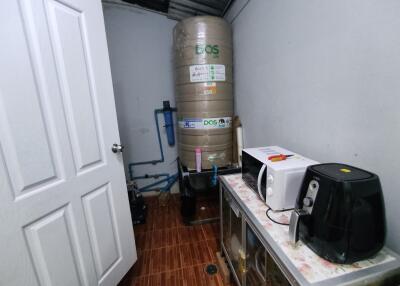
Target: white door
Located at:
point(64, 212)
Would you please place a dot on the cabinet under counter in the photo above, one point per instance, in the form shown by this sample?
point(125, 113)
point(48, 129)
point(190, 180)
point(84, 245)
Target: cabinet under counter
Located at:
point(259, 251)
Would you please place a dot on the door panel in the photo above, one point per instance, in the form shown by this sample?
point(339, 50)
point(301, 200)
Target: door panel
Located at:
point(99, 213)
point(22, 110)
point(64, 211)
point(49, 239)
point(23, 159)
point(68, 38)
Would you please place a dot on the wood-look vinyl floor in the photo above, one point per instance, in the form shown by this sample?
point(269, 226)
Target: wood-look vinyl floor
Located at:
point(171, 253)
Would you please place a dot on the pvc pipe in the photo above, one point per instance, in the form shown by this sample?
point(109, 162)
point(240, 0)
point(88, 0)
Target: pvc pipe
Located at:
point(169, 179)
point(153, 162)
point(155, 176)
point(214, 178)
point(239, 139)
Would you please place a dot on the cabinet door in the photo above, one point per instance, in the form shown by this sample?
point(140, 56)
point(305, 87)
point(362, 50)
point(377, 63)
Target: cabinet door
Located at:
point(261, 269)
point(274, 274)
point(226, 219)
point(256, 260)
point(232, 235)
point(235, 243)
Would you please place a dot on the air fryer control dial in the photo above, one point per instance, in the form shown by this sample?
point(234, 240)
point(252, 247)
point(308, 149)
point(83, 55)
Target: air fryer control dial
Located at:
point(309, 199)
point(308, 202)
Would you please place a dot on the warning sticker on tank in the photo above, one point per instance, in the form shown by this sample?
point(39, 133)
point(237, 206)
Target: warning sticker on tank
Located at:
point(205, 123)
point(209, 88)
point(200, 73)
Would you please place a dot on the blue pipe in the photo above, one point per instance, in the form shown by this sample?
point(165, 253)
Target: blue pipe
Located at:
point(214, 178)
point(169, 125)
point(153, 162)
point(155, 176)
point(169, 179)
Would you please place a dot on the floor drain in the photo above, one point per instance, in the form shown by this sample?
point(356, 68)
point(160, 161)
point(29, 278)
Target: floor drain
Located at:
point(211, 269)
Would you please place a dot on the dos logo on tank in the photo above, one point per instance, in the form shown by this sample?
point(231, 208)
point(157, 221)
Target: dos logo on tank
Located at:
point(214, 122)
point(212, 50)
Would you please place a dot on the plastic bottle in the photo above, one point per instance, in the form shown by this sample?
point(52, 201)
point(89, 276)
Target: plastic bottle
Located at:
point(198, 159)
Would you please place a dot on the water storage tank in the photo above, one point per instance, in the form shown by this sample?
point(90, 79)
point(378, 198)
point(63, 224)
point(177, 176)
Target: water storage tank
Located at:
point(203, 81)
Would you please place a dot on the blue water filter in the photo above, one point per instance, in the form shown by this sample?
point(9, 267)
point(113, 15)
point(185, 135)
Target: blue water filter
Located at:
point(169, 123)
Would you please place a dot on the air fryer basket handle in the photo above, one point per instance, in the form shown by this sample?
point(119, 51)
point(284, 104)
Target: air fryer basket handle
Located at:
point(294, 224)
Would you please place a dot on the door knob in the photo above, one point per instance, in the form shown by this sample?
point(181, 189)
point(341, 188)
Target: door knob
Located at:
point(117, 148)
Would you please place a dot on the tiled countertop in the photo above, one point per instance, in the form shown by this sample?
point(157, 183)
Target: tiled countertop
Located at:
point(309, 267)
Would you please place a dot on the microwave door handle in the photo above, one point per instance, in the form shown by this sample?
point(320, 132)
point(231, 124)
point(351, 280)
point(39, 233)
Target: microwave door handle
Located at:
point(260, 174)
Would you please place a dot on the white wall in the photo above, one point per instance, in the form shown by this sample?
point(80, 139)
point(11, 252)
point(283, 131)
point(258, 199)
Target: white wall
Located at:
point(323, 78)
point(140, 48)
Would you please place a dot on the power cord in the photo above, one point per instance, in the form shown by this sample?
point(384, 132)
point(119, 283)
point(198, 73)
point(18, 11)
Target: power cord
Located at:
point(277, 222)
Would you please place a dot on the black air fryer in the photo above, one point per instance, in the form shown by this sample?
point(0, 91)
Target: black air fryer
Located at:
point(340, 213)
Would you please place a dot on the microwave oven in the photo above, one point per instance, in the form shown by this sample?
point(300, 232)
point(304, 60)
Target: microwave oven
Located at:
point(276, 182)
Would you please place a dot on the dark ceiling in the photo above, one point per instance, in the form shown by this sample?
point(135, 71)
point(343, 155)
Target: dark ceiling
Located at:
point(180, 9)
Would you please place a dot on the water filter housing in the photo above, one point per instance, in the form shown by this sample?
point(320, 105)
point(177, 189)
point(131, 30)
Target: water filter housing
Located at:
point(169, 123)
